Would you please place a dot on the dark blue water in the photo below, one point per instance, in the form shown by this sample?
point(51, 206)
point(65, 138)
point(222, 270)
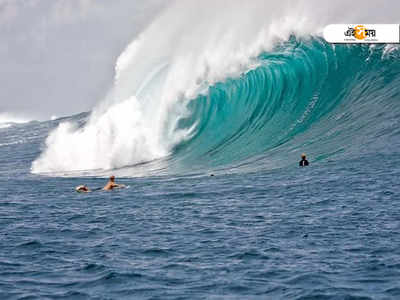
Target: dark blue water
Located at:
point(330, 231)
point(261, 228)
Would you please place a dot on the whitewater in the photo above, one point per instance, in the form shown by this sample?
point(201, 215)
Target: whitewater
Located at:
point(237, 91)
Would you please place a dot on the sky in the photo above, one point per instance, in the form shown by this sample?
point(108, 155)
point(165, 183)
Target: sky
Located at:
point(57, 57)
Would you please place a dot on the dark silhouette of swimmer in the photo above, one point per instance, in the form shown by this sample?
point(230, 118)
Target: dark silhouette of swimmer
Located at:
point(304, 161)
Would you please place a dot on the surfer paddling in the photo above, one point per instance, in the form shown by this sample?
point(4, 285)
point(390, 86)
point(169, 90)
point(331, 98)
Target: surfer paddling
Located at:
point(108, 187)
point(82, 189)
point(111, 184)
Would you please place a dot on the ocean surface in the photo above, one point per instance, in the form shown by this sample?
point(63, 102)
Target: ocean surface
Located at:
point(216, 205)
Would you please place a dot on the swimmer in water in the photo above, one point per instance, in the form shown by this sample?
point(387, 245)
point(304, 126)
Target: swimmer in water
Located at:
point(82, 189)
point(304, 161)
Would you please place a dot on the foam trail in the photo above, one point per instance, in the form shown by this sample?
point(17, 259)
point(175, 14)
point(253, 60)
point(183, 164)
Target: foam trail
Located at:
point(189, 47)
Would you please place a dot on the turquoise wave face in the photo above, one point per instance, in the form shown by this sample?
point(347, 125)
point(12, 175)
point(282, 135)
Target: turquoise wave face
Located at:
point(305, 96)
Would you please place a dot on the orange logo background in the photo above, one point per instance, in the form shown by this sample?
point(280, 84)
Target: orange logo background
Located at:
point(359, 32)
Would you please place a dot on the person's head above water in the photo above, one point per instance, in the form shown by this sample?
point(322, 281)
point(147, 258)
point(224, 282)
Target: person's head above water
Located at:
point(112, 178)
point(82, 188)
point(304, 161)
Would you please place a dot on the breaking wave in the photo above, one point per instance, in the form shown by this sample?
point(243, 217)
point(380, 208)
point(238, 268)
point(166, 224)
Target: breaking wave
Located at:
point(254, 89)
